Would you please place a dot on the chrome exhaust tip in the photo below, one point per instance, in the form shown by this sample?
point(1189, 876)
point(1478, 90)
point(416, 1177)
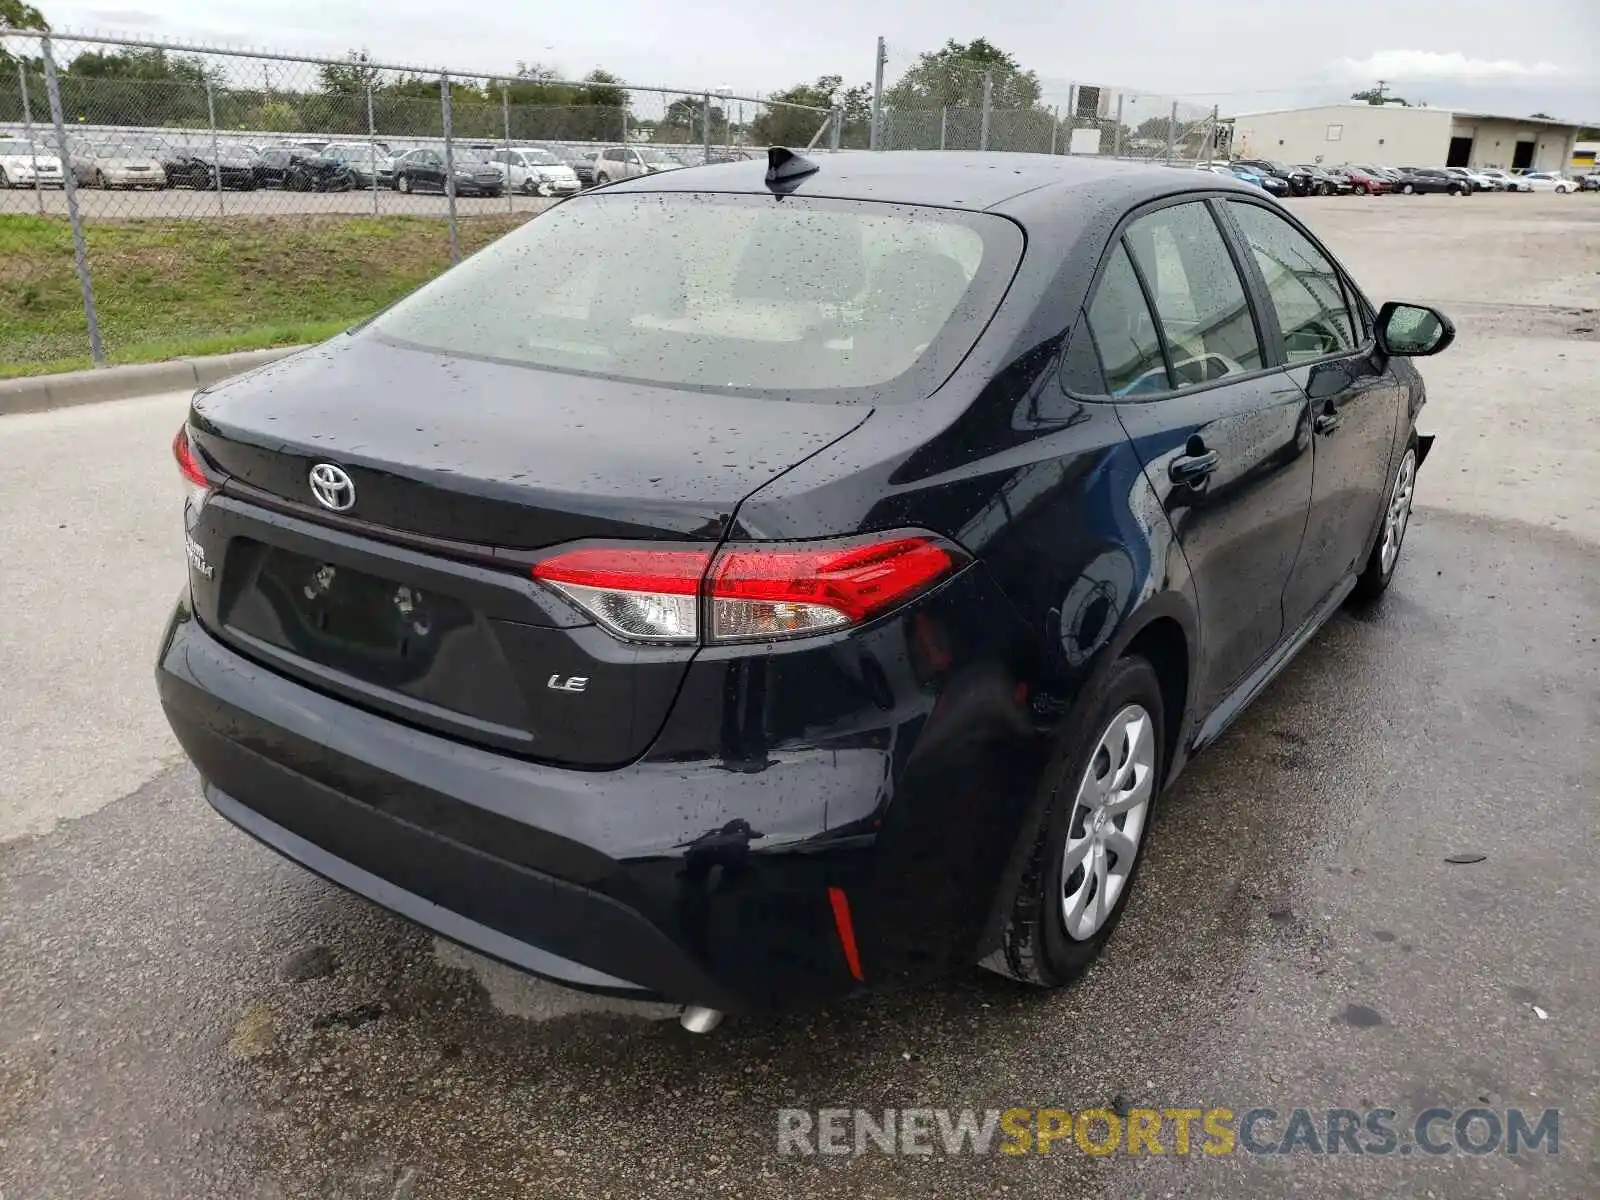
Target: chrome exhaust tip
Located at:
point(696, 1019)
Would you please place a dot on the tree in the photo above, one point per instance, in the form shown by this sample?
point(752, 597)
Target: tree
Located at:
point(352, 77)
point(684, 121)
point(953, 77)
point(14, 14)
point(1153, 129)
point(780, 126)
point(1375, 95)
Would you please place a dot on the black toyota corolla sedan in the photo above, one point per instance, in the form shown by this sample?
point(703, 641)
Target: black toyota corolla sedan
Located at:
point(803, 575)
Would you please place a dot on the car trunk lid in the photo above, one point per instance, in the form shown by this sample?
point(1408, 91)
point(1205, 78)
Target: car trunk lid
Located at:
point(416, 599)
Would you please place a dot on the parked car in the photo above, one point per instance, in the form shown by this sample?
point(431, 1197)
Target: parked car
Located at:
point(423, 171)
point(1589, 182)
point(1549, 181)
point(1275, 185)
point(23, 164)
point(369, 163)
point(1474, 180)
point(300, 169)
point(1367, 181)
point(1325, 182)
point(1431, 180)
point(535, 172)
point(1297, 180)
point(235, 166)
point(116, 165)
point(1510, 182)
point(497, 637)
point(582, 163)
point(628, 162)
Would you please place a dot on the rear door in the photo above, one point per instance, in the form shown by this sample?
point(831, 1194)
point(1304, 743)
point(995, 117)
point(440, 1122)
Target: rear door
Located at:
point(1221, 430)
point(1356, 402)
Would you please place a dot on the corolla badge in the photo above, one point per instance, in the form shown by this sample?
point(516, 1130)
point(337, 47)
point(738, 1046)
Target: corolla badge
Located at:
point(332, 487)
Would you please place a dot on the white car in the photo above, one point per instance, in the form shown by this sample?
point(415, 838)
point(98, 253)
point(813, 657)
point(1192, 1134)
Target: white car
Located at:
point(1511, 183)
point(535, 172)
point(1479, 181)
point(1548, 181)
point(18, 161)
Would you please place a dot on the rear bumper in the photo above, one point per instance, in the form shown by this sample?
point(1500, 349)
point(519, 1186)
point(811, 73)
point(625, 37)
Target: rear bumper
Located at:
point(690, 878)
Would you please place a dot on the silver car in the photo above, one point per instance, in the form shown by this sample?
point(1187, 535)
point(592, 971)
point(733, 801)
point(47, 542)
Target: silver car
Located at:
point(535, 172)
point(626, 162)
point(117, 165)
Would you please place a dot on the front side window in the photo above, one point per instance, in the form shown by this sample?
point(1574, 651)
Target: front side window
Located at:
point(1197, 293)
point(1124, 331)
point(733, 293)
point(1304, 287)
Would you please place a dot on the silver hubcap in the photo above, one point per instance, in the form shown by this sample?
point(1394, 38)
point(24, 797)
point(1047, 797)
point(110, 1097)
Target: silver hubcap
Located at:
point(1399, 514)
point(1108, 821)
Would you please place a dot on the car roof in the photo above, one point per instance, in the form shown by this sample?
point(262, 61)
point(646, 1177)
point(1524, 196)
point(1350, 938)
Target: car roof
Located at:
point(947, 179)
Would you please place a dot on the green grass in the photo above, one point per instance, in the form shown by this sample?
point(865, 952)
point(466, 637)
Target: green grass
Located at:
point(167, 289)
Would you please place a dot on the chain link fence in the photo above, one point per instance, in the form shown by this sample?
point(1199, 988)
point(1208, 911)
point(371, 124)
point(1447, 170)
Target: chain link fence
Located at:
point(941, 102)
point(158, 199)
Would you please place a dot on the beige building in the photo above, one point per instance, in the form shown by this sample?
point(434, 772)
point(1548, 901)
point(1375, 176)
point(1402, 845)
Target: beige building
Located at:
point(1394, 135)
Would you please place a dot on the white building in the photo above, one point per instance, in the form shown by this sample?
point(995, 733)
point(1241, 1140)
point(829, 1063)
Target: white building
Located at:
point(1395, 135)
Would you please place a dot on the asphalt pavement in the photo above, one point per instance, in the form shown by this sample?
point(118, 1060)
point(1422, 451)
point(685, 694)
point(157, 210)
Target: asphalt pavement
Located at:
point(184, 1014)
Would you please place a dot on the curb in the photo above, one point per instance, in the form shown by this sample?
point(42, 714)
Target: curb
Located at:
point(37, 393)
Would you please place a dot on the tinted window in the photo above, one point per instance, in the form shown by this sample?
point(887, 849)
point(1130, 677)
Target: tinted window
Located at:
point(1304, 286)
point(1198, 296)
point(727, 292)
point(1124, 332)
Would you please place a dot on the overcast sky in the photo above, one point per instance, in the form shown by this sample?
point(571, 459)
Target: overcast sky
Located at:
point(1243, 54)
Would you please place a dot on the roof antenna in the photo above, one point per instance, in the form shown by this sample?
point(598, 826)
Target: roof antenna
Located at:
point(785, 168)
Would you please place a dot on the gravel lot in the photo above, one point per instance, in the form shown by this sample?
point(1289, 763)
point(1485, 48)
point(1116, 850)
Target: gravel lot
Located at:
point(183, 1014)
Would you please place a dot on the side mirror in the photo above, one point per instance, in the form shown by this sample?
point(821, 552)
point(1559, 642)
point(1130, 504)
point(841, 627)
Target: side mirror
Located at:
point(1413, 330)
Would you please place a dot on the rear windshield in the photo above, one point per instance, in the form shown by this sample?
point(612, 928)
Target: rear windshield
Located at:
point(734, 293)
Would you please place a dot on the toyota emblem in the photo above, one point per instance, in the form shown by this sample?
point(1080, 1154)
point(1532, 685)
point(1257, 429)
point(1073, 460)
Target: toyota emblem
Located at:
point(332, 487)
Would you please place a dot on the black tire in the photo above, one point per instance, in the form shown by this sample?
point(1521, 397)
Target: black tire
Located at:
point(1361, 189)
point(1036, 947)
point(402, 184)
point(1376, 576)
point(600, 180)
point(5, 180)
point(100, 181)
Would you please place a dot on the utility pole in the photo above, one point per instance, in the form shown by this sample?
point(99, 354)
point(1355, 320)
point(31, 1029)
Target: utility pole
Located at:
point(874, 139)
point(988, 108)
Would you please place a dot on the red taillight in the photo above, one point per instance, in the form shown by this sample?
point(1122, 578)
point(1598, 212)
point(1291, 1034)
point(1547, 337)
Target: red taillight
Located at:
point(643, 595)
point(782, 591)
point(188, 465)
point(752, 591)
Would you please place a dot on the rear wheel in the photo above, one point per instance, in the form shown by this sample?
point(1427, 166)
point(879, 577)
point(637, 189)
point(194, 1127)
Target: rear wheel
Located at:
point(1103, 781)
point(100, 180)
point(5, 180)
point(1374, 578)
point(601, 179)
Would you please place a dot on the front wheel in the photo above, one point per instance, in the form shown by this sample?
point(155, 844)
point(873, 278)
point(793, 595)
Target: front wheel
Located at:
point(601, 180)
point(402, 183)
point(1375, 577)
point(1103, 784)
point(1408, 190)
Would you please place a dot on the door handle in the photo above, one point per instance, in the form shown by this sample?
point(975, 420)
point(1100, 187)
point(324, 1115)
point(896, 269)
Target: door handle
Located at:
point(1327, 422)
point(1191, 468)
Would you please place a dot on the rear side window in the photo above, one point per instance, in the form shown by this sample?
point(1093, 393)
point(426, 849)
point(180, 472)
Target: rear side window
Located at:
point(1198, 295)
point(736, 293)
point(1304, 286)
point(1124, 332)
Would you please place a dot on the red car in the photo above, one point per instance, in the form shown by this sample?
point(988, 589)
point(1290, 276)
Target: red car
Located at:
point(1364, 182)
